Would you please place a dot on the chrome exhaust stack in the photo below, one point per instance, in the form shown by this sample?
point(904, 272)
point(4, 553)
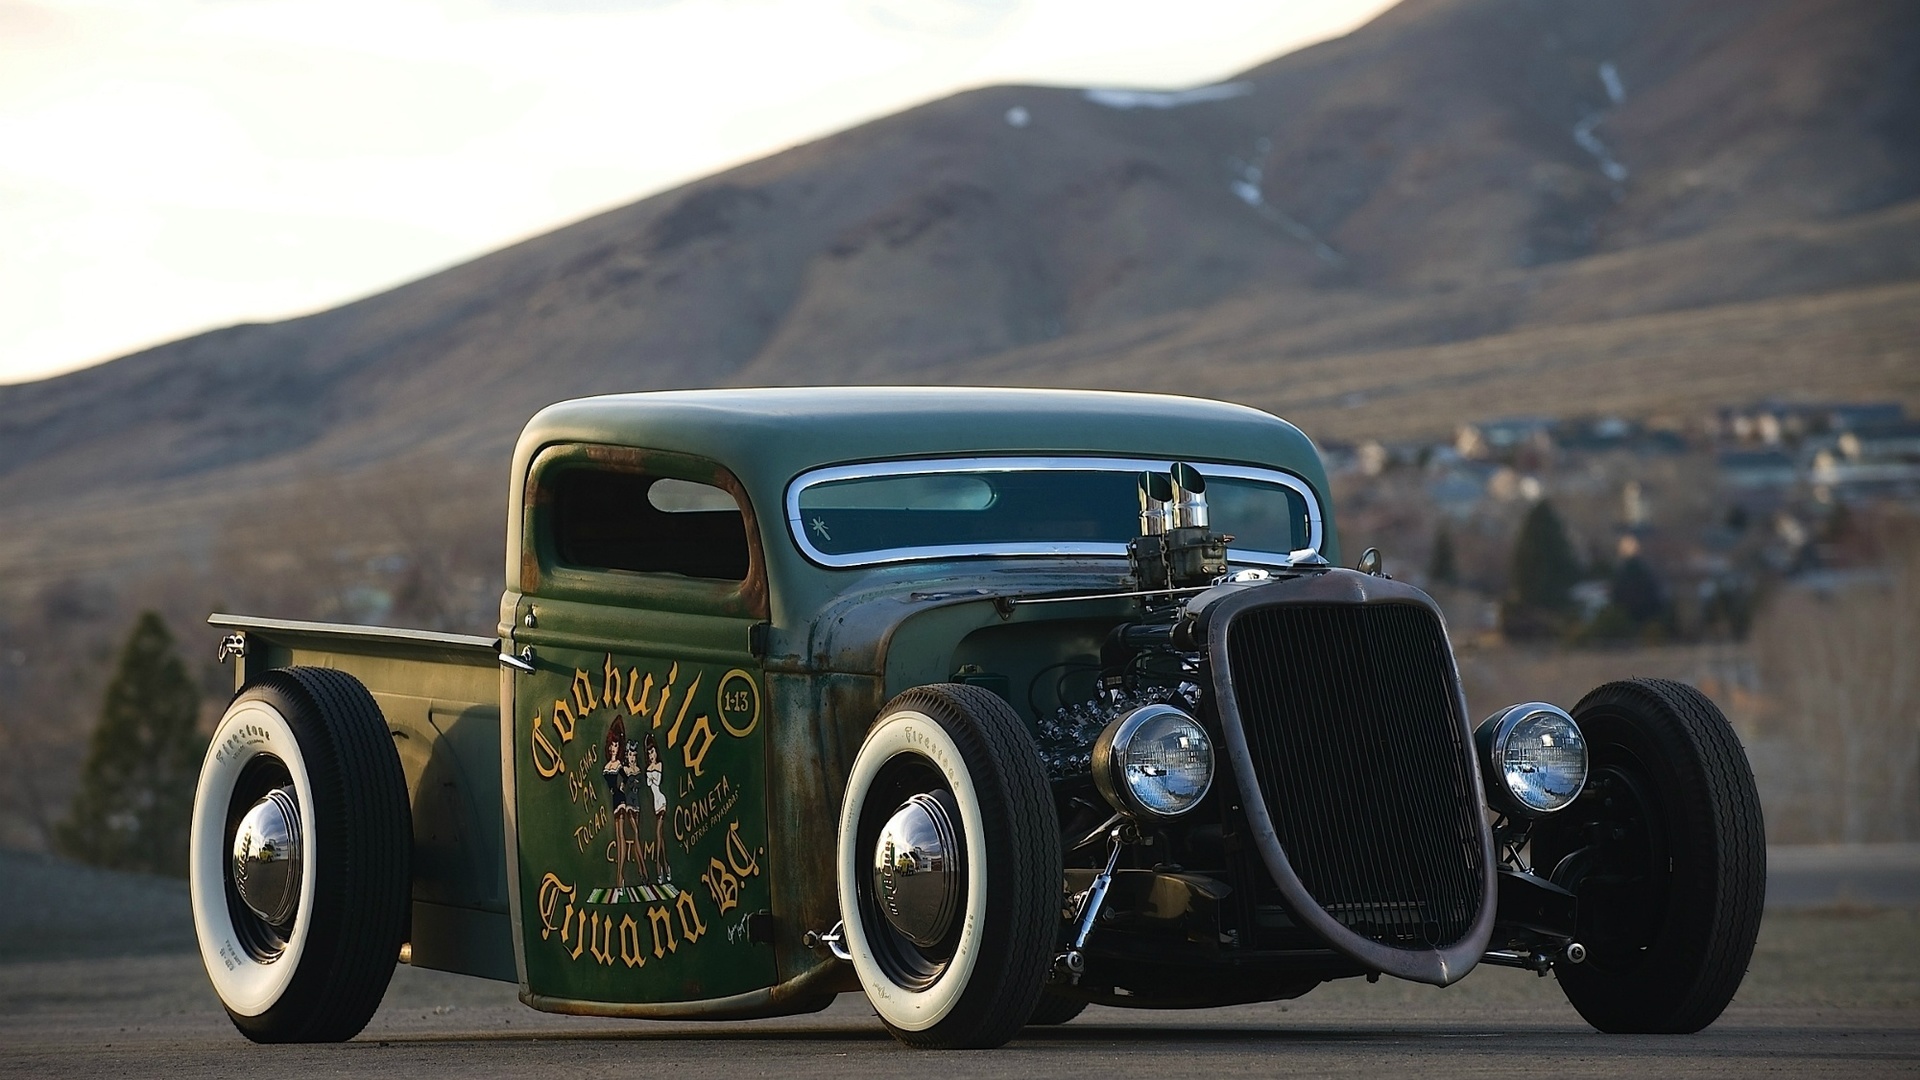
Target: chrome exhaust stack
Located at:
point(1156, 503)
point(1175, 548)
point(1189, 502)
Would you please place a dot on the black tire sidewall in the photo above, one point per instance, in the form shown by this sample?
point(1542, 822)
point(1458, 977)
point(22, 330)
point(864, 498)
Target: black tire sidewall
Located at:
point(357, 832)
point(976, 742)
point(1706, 825)
point(1054, 1009)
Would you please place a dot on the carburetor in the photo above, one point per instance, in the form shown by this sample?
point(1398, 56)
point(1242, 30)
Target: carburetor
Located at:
point(1175, 549)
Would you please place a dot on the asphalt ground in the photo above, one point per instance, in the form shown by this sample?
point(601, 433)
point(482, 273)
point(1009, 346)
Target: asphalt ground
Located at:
point(98, 978)
point(1869, 875)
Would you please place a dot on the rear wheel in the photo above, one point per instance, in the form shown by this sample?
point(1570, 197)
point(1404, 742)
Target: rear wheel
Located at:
point(1666, 855)
point(949, 869)
point(299, 865)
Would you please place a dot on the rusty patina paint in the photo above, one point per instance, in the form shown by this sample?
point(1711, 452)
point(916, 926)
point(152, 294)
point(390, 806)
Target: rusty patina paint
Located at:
point(641, 796)
point(807, 766)
point(768, 436)
point(823, 649)
point(839, 643)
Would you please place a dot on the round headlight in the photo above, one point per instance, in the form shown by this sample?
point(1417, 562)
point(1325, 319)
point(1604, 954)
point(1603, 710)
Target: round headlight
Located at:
point(1535, 759)
point(1153, 760)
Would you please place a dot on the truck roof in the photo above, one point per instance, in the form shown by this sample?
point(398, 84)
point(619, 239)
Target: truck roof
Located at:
point(766, 436)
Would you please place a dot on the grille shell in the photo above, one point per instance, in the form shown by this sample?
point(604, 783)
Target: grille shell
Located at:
point(1343, 717)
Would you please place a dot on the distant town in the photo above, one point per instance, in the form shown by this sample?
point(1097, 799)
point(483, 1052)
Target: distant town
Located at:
point(1675, 526)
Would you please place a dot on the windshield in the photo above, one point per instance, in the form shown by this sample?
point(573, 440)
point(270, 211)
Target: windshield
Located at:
point(891, 511)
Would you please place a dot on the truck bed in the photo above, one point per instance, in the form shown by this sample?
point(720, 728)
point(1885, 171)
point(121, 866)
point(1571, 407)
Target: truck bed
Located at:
point(440, 694)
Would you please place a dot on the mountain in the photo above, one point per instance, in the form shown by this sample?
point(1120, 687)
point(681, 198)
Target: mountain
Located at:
point(1464, 208)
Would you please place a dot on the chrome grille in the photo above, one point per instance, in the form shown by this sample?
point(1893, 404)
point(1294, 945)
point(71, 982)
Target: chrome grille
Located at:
point(1351, 721)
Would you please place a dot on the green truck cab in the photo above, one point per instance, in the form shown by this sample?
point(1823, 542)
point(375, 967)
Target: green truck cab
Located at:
point(986, 703)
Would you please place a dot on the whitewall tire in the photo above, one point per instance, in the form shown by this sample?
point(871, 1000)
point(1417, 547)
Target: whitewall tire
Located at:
point(298, 864)
point(948, 788)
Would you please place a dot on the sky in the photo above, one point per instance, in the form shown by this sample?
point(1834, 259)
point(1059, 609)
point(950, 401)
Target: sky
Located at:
point(169, 166)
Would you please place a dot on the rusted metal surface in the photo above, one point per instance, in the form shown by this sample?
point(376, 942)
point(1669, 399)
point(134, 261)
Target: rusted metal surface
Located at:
point(768, 436)
point(810, 754)
point(439, 694)
point(807, 993)
point(819, 652)
point(641, 809)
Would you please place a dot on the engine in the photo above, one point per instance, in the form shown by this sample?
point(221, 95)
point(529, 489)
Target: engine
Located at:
point(1066, 738)
point(1147, 662)
point(1286, 751)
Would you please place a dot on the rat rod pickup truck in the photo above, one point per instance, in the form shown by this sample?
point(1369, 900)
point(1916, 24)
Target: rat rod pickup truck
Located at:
point(987, 703)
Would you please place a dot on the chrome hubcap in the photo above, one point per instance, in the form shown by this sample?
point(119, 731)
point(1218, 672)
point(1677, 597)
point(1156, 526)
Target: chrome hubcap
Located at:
point(266, 857)
point(919, 869)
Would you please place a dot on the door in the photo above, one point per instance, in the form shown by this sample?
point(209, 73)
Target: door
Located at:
point(639, 735)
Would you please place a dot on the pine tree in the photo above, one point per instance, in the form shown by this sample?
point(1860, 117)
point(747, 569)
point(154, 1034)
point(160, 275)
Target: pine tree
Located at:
point(136, 791)
point(1637, 592)
point(1545, 570)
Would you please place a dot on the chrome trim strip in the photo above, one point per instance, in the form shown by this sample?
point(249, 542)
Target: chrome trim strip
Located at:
point(269, 628)
point(1072, 597)
point(872, 469)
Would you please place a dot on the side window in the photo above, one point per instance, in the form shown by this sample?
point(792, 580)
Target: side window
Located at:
point(607, 519)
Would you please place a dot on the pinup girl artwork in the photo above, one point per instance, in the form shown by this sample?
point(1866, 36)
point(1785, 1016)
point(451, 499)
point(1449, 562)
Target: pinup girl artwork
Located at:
point(655, 773)
point(633, 784)
point(622, 775)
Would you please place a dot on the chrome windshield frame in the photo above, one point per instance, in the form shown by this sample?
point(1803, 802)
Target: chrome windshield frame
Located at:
point(1072, 549)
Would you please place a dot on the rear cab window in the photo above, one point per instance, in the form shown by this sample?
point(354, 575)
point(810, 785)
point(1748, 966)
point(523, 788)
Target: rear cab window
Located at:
point(625, 525)
point(611, 520)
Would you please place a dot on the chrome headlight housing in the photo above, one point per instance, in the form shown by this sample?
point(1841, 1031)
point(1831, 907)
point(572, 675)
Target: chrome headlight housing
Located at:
point(1154, 761)
point(1533, 758)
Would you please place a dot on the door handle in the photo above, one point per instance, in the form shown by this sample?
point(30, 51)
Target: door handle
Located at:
point(522, 663)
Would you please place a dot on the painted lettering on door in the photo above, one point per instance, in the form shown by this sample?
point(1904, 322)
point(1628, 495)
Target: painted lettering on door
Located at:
point(642, 829)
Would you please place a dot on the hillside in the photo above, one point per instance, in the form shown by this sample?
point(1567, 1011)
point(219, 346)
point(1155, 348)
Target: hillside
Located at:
point(1465, 208)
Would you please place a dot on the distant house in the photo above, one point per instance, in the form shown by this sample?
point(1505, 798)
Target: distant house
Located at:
point(1338, 457)
point(1772, 422)
point(1860, 479)
point(1897, 440)
point(1878, 460)
point(1870, 415)
point(1594, 433)
point(1458, 489)
point(1757, 469)
point(1495, 438)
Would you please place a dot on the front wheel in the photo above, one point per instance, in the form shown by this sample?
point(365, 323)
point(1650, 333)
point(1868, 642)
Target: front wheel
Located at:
point(1055, 1009)
point(299, 865)
point(949, 868)
point(1666, 856)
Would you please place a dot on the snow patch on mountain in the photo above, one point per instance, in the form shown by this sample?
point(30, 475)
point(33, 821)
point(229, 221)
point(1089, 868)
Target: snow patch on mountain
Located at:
point(1610, 78)
point(1583, 132)
point(1118, 98)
